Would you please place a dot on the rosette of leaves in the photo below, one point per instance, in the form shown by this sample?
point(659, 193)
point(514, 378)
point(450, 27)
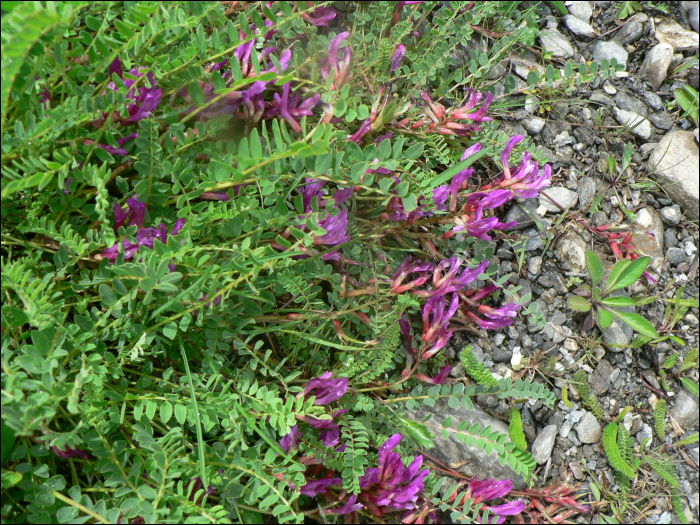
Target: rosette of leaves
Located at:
point(603, 309)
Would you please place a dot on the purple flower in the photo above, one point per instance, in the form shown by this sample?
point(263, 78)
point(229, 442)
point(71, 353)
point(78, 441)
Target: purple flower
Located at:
point(476, 116)
point(439, 379)
point(326, 389)
point(340, 196)
point(364, 128)
point(340, 67)
point(294, 108)
point(292, 439)
point(336, 229)
point(148, 98)
point(398, 57)
point(348, 507)
point(405, 326)
point(435, 307)
point(491, 200)
point(135, 209)
point(211, 196)
point(440, 196)
point(310, 190)
point(320, 16)
point(405, 269)
point(319, 485)
point(471, 150)
point(112, 149)
point(488, 489)
point(206, 296)
point(196, 486)
point(69, 452)
point(379, 140)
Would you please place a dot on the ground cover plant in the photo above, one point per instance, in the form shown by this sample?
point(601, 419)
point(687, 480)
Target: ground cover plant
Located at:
point(237, 239)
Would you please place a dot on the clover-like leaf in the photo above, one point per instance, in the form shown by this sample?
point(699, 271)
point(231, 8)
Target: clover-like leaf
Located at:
point(580, 304)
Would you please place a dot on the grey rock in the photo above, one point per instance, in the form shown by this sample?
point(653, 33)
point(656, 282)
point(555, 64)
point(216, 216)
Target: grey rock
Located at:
point(534, 265)
point(672, 33)
point(533, 241)
point(579, 27)
point(585, 135)
point(600, 378)
point(629, 33)
point(636, 124)
point(650, 376)
point(627, 102)
point(586, 192)
point(581, 10)
point(556, 43)
point(533, 125)
point(558, 318)
point(661, 120)
point(577, 471)
point(588, 429)
point(501, 355)
point(562, 139)
point(646, 149)
point(685, 409)
point(670, 239)
point(497, 72)
point(664, 519)
point(677, 166)
point(653, 100)
point(531, 104)
point(609, 88)
point(656, 64)
point(543, 445)
point(676, 256)
point(645, 434)
point(618, 335)
point(451, 450)
point(566, 428)
point(519, 213)
point(633, 423)
point(671, 214)
point(601, 98)
point(571, 251)
point(562, 196)
point(608, 50)
point(691, 13)
point(648, 232)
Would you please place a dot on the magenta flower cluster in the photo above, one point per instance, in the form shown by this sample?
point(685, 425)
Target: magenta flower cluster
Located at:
point(135, 211)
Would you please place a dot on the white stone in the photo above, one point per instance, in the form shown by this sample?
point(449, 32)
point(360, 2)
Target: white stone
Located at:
point(644, 218)
point(636, 124)
point(581, 10)
point(656, 64)
point(563, 196)
point(517, 358)
point(531, 104)
point(579, 27)
point(676, 163)
point(556, 43)
point(533, 125)
point(609, 50)
point(672, 33)
point(609, 88)
point(541, 211)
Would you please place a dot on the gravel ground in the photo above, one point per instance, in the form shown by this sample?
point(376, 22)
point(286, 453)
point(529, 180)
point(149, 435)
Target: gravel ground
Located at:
point(576, 136)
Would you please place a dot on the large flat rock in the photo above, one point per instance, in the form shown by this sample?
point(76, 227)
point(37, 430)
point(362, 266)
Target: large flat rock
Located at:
point(675, 163)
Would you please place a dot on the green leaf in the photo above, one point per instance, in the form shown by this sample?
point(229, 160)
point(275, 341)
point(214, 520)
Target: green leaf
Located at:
point(595, 266)
point(418, 432)
point(618, 301)
point(605, 319)
point(578, 303)
point(181, 413)
point(615, 273)
point(166, 411)
point(629, 274)
point(410, 202)
point(107, 295)
point(8, 441)
point(638, 323)
point(451, 172)
point(414, 151)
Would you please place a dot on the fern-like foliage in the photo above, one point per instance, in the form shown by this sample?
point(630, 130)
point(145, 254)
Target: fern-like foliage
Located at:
point(671, 361)
point(663, 471)
point(691, 385)
point(515, 429)
point(355, 436)
point(475, 369)
point(691, 360)
point(565, 396)
point(613, 451)
point(588, 397)
point(660, 419)
point(679, 509)
point(368, 365)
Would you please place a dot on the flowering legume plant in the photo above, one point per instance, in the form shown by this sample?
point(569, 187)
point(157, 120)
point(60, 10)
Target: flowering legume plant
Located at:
point(237, 238)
